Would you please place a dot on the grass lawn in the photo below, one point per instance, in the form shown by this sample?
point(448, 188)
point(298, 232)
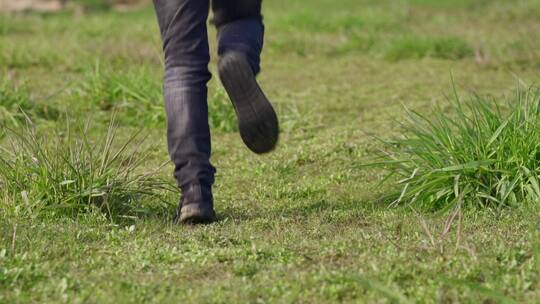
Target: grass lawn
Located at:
point(302, 225)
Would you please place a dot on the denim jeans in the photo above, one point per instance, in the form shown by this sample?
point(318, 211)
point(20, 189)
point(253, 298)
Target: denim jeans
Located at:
point(183, 27)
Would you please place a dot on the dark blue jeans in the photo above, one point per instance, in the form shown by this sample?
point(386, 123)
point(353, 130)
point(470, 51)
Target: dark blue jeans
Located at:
point(183, 26)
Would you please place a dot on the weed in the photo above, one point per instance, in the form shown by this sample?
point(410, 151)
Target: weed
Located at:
point(221, 114)
point(451, 48)
point(485, 153)
point(13, 99)
point(67, 173)
point(134, 94)
point(354, 43)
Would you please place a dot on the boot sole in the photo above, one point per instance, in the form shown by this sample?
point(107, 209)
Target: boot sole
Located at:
point(257, 120)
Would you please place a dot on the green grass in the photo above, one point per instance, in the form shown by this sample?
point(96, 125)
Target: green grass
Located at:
point(305, 224)
point(65, 173)
point(418, 48)
point(15, 102)
point(483, 154)
point(221, 116)
point(133, 93)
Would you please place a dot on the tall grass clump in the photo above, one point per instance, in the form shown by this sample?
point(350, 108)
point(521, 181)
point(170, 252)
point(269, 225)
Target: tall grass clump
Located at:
point(483, 152)
point(67, 173)
point(13, 99)
point(412, 47)
point(221, 116)
point(135, 95)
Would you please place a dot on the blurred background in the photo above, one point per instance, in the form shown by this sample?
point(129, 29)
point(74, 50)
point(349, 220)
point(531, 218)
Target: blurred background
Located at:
point(57, 5)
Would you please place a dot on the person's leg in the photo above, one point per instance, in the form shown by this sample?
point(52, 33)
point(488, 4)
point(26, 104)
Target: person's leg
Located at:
point(240, 42)
point(185, 44)
point(240, 28)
